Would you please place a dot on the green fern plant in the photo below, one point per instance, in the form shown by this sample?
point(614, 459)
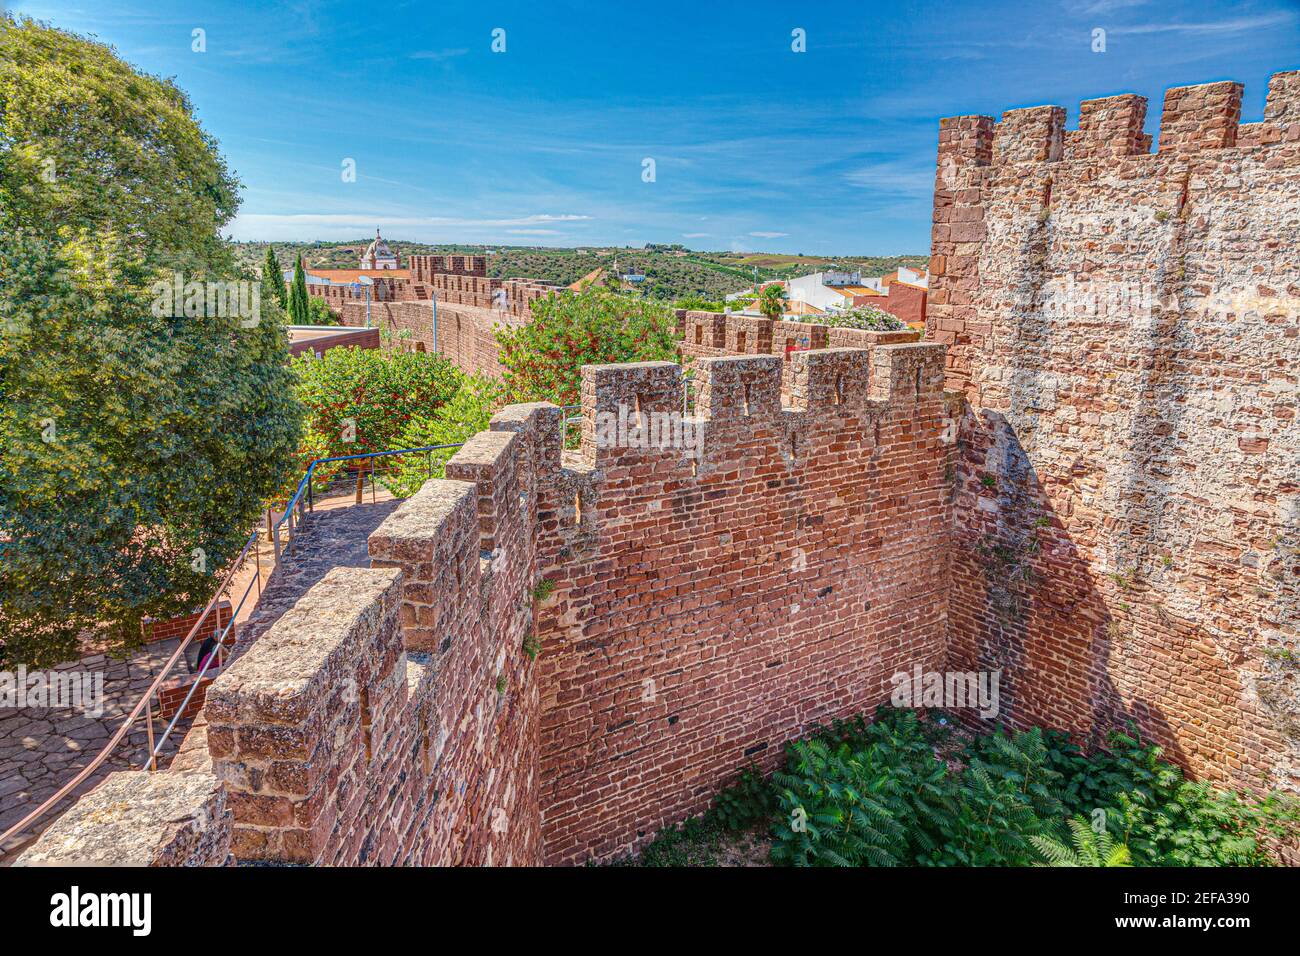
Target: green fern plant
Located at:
point(748, 801)
point(1087, 847)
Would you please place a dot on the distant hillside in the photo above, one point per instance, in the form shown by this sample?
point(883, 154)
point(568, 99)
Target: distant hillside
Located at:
point(671, 272)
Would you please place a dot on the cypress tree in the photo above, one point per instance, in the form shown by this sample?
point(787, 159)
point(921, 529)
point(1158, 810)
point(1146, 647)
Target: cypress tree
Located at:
point(272, 280)
point(299, 312)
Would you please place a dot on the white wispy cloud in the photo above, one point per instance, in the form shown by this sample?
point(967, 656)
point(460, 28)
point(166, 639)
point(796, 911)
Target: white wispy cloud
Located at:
point(1094, 7)
point(900, 177)
point(438, 56)
point(769, 235)
point(1233, 25)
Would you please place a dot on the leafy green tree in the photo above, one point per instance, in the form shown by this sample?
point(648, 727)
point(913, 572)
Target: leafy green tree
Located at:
point(272, 280)
point(138, 435)
point(465, 414)
point(543, 360)
point(696, 303)
point(136, 445)
point(89, 143)
point(771, 301)
point(360, 400)
point(318, 312)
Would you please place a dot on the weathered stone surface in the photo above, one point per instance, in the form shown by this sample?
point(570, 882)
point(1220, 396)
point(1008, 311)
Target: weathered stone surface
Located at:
point(1127, 335)
point(137, 818)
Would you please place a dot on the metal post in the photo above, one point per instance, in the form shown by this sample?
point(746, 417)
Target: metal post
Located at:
point(153, 763)
point(275, 535)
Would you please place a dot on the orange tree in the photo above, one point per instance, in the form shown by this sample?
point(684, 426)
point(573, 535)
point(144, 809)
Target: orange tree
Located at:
point(359, 400)
point(543, 360)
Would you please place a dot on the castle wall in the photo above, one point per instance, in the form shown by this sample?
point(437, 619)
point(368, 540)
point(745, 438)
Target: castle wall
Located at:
point(706, 611)
point(466, 334)
point(1123, 325)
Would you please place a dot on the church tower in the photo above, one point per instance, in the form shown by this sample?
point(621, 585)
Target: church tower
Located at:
point(378, 255)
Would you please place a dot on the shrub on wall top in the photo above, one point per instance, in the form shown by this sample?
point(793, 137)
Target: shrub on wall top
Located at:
point(543, 360)
point(863, 317)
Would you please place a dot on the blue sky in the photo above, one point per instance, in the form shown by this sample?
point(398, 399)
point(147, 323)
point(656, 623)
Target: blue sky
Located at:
point(756, 147)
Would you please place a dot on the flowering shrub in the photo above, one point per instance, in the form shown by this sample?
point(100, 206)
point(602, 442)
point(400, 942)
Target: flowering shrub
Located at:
point(543, 360)
point(359, 400)
point(864, 317)
point(466, 413)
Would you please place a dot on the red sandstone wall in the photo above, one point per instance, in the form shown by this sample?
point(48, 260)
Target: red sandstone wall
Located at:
point(713, 334)
point(906, 302)
point(466, 547)
point(178, 627)
point(1124, 327)
point(707, 612)
point(453, 280)
point(395, 716)
point(466, 335)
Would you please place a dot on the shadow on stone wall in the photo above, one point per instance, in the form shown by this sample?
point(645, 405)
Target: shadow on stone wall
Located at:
point(1025, 602)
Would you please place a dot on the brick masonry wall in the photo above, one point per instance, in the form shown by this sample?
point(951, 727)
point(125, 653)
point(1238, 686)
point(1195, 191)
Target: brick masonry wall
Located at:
point(362, 338)
point(905, 302)
point(714, 334)
point(180, 626)
point(466, 547)
point(707, 611)
point(466, 334)
point(1123, 325)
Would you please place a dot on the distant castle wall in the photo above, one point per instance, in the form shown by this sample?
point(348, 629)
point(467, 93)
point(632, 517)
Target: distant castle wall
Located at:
point(466, 333)
point(713, 334)
point(1125, 326)
point(470, 307)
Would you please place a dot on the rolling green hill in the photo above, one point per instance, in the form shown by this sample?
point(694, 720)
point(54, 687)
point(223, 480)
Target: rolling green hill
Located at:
point(672, 272)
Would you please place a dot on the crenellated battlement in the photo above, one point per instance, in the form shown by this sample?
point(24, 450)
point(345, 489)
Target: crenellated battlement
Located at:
point(1194, 119)
point(396, 714)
